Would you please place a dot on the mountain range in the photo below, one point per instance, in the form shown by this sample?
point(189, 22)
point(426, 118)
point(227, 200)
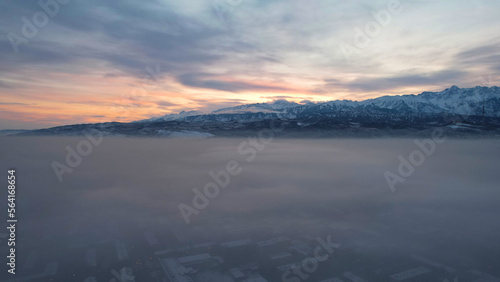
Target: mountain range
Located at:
point(460, 111)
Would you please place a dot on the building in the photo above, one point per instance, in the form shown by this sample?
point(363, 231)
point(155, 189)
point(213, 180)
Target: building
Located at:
point(126, 275)
point(175, 271)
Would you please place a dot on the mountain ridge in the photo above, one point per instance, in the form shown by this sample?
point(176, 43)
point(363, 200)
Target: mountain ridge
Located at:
point(400, 115)
point(468, 102)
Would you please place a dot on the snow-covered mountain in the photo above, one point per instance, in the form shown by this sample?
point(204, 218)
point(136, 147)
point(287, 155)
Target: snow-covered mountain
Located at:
point(404, 115)
point(277, 106)
point(462, 101)
point(178, 116)
point(454, 100)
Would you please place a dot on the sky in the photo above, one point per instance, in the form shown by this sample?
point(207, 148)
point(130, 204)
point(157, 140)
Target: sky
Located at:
point(73, 61)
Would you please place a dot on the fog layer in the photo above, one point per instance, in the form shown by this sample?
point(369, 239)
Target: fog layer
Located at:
point(447, 208)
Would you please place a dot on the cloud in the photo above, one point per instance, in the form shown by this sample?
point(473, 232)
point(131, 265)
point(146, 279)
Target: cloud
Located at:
point(486, 57)
point(478, 52)
point(165, 104)
point(278, 97)
point(22, 104)
point(199, 80)
point(4, 85)
point(128, 37)
point(386, 83)
point(41, 52)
